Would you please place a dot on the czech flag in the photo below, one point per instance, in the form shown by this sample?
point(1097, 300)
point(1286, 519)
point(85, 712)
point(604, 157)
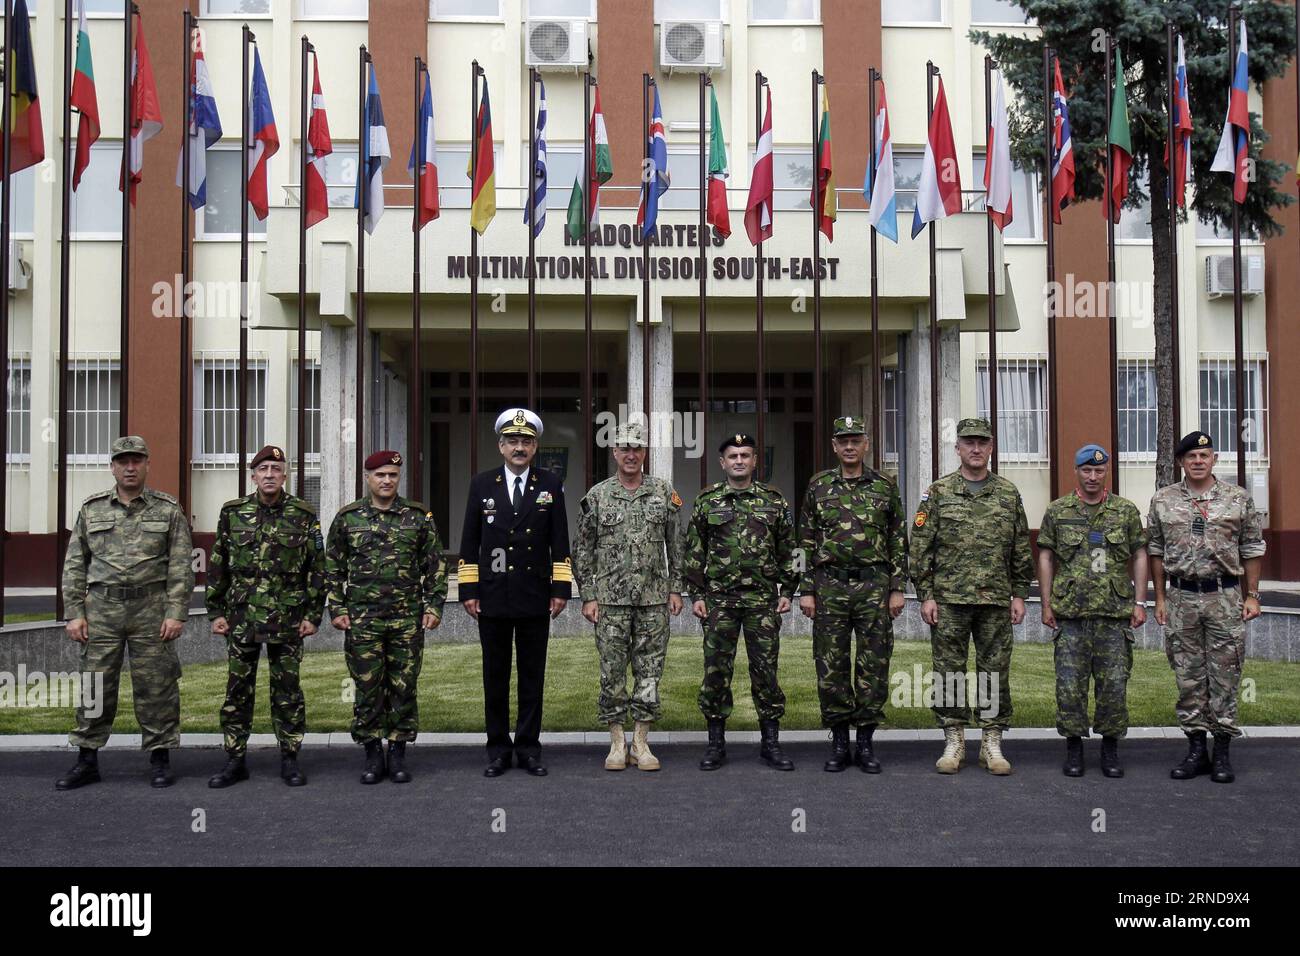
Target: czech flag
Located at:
point(263, 140)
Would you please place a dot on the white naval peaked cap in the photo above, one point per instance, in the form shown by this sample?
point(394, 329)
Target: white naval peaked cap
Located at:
point(518, 421)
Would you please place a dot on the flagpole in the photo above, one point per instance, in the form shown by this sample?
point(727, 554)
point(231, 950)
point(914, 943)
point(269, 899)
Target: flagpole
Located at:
point(65, 263)
point(475, 72)
point(1170, 148)
point(760, 81)
point(415, 443)
point(6, 113)
point(647, 81)
point(704, 309)
point(819, 201)
point(532, 238)
point(183, 465)
point(1049, 202)
point(992, 275)
point(1110, 265)
point(930, 72)
point(1238, 336)
point(123, 377)
point(873, 75)
point(242, 417)
point(363, 198)
point(304, 109)
point(588, 146)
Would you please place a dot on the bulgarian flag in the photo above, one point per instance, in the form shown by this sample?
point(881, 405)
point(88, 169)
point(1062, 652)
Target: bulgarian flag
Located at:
point(716, 214)
point(83, 98)
point(823, 197)
point(1121, 147)
point(27, 138)
point(601, 166)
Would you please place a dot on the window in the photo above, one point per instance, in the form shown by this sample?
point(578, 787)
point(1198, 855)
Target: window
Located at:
point(892, 424)
point(996, 12)
point(684, 178)
point(1208, 232)
point(688, 10)
point(1134, 224)
point(563, 166)
point(569, 9)
point(779, 11)
point(1218, 402)
point(1026, 201)
point(791, 177)
point(97, 203)
point(334, 9)
point(1138, 414)
point(464, 9)
point(216, 409)
point(340, 173)
point(453, 161)
point(312, 449)
point(22, 203)
point(232, 8)
point(907, 178)
point(92, 394)
point(101, 8)
point(20, 411)
point(912, 11)
point(1022, 407)
point(219, 217)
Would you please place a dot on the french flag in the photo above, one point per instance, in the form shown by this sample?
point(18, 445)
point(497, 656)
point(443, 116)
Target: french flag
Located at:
point(427, 148)
point(263, 140)
point(205, 130)
point(1234, 146)
point(939, 194)
point(880, 194)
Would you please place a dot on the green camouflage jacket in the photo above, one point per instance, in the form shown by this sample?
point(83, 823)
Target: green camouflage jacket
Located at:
point(740, 545)
point(384, 565)
point(629, 544)
point(129, 545)
point(853, 523)
point(971, 549)
point(1230, 530)
point(266, 572)
point(1092, 577)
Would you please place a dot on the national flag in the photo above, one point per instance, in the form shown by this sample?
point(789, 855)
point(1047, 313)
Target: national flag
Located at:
point(1234, 146)
point(83, 98)
point(758, 207)
point(538, 213)
point(483, 174)
point(997, 163)
point(655, 184)
point(1121, 147)
point(716, 215)
point(1182, 131)
point(263, 139)
point(146, 113)
point(1062, 149)
point(373, 159)
point(26, 137)
point(879, 190)
point(319, 145)
point(424, 155)
point(600, 167)
point(938, 194)
point(204, 130)
point(823, 199)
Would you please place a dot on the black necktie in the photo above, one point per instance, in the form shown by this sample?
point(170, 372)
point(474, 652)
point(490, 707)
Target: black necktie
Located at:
point(518, 497)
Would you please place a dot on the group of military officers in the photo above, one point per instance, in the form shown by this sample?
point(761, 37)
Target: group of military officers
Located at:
point(382, 578)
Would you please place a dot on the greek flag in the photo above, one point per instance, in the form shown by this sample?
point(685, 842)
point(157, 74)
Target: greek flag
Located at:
point(539, 166)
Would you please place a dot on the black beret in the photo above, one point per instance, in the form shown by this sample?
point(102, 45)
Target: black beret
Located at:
point(738, 440)
point(1193, 440)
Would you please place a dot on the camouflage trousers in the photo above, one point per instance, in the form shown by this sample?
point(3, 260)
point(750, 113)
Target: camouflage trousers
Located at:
point(628, 634)
point(288, 705)
point(384, 659)
point(722, 628)
point(113, 628)
point(990, 626)
point(852, 691)
point(1206, 645)
point(1092, 650)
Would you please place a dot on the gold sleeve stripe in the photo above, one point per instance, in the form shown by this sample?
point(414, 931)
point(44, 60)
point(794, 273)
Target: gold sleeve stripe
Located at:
point(562, 572)
point(466, 573)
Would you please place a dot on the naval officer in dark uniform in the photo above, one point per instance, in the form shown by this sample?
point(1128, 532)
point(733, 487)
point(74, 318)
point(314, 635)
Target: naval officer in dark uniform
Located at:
point(514, 577)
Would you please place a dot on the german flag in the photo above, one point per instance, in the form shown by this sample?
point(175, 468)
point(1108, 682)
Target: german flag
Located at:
point(484, 205)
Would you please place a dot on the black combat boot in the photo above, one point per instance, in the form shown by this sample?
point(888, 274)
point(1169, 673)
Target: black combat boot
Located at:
point(839, 759)
point(374, 771)
point(715, 755)
point(234, 771)
point(1222, 768)
point(160, 769)
point(1073, 766)
point(397, 771)
point(770, 750)
point(289, 772)
point(1110, 757)
point(84, 771)
point(1197, 760)
point(864, 756)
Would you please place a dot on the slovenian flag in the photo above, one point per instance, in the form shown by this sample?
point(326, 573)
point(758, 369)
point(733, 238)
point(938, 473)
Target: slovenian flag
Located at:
point(1062, 149)
point(1182, 130)
point(538, 216)
point(758, 207)
point(424, 153)
point(263, 139)
point(374, 157)
point(939, 194)
point(655, 185)
point(27, 138)
point(716, 215)
point(997, 163)
point(83, 98)
point(319, 145)
point(1234, 146)
point(204, 131)
point(880, 195)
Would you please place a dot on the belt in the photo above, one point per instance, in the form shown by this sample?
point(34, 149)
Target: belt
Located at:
point(849, 574)
point(116, 592)
point(1203, 585)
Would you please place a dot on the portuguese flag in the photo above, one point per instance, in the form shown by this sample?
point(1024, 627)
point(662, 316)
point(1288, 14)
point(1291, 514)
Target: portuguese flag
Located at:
point(716, 214)
point(1121, 147)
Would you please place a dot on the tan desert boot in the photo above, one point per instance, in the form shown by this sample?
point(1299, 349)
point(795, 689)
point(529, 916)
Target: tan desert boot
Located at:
point(991, 758)
point(617, 758)
point(954, 750)
point(641, 757)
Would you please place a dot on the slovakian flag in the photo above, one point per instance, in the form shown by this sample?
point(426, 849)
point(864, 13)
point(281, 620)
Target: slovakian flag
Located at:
point(1121, 147)
point(204, 131)
point(716, 215)
point(1234, 146)
point(758, 207)
point(538, 213)
point(938, 195)
point(424, 154)
point(375, 154)
point(483, 173)
point(319, 145)
point(1062, 149)
point(997, 163)
point(263, 139)
point(146, 113)
point(600, 167)
point(1182, 131)
point(823, 198)
point(879, 189)
point(656, 183)
point(83, 98)
point(27, 138)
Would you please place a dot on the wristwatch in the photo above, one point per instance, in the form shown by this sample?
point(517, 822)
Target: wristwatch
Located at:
point(1253, 594)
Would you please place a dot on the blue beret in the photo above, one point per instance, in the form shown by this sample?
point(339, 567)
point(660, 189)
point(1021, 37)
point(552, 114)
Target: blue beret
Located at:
point(1090, 455)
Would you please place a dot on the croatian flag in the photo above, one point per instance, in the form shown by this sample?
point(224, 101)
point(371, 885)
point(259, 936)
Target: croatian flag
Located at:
point(1234, 146)
point(205, 130)
point(654, 187)
point(939, 194)
point(538, 216)
point(880, 194)
point(424, 153)
point(374, 158)
point(263, 140)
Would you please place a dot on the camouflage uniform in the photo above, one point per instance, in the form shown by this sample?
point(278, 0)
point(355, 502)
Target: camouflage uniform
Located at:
point(971, 554)
point(1092, 597)
point(739, 560)
point(127, 568)
point(1202, 538)
point(266, 574)
point(628, 557)
point(854, 543)
point(384, 569)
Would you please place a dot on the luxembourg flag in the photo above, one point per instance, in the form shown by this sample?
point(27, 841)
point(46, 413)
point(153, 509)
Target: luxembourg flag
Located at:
point(939, 194)
point(374, 157)
point(880, 193)
point(263, 140)
point(205, 130)
point(997, 165)
point(427, 158)
point(1234, 146)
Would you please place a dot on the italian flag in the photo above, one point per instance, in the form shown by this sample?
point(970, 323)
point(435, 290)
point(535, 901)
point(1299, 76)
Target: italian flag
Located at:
point(716, 214)
point(83, 98)
point(601, 167)
point(1121, 147)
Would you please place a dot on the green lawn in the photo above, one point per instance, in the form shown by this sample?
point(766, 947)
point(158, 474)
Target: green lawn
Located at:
point(451, 696)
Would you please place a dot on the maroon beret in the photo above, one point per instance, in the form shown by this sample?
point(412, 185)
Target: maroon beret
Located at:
point(269, 453)
point(381, 458)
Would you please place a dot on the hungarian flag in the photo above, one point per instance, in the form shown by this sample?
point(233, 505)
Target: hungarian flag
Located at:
point(1121, 148)
point(1234, 147)
point(938, 195)
point(316, 195)
point(997, 164)
point(424, 155)
point(823, 198)
point(1062, 149)
point(1182, 130)
point(146, 113)
point(716, 214)
point(83, 98)
point(484, 205)
point(600, 166)
point(758, 207)
point(27, 140)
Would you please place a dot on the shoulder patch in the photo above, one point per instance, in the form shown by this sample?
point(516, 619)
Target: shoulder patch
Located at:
point(920, 519)
point(586, 505)
point(676, 499)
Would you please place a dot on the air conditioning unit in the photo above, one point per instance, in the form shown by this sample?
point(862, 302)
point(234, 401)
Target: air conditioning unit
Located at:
point(692, 45)
point(19, 271)
point(556, 44)
point(1218, 275)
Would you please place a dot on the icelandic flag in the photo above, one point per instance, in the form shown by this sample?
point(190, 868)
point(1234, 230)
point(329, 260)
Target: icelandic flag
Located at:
point(655, 186)
point(374, 158)
point(538, 217)
point(1062, 149)
point(427, 159)
point(880, 194)
point(205, 130)
point(263, 140)
point(1234, 146)
point(938, 195)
